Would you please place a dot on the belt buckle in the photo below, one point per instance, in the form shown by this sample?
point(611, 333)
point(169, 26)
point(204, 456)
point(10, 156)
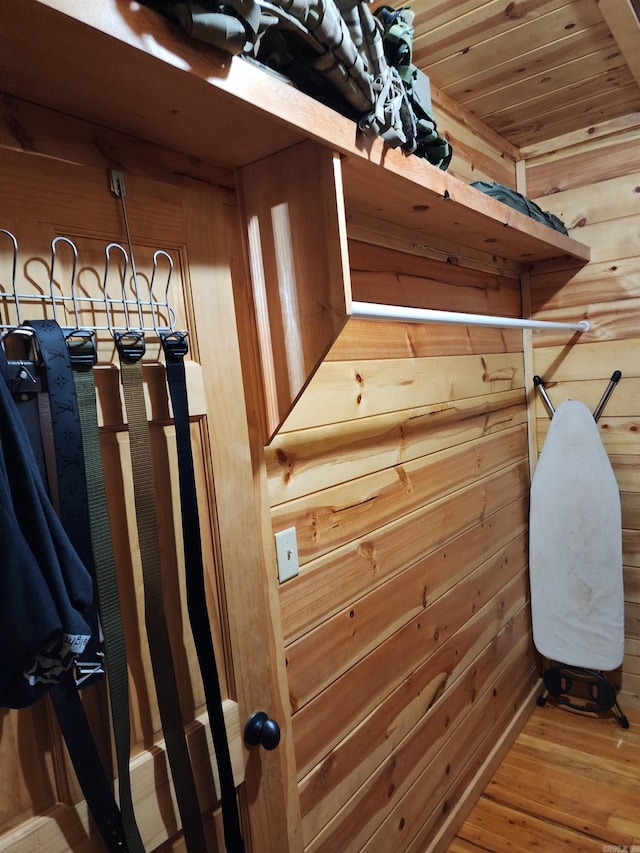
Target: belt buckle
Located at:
point(175, 344)
point(131, 345)
point(82, 347)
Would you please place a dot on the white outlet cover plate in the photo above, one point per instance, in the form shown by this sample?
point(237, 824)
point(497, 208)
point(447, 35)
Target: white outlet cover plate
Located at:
point(287, 554)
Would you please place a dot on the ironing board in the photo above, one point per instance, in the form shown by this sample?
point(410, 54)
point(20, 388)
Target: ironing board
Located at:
point(575, 551)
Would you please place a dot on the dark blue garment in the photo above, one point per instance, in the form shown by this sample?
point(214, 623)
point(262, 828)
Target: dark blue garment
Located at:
point(46, 593)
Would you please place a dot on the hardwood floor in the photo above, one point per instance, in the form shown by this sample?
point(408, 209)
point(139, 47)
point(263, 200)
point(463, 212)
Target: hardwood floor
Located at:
point(570, 782)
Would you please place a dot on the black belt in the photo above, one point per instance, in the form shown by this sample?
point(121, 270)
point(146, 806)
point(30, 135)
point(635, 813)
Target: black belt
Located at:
point(131, 348)
point(86, 762)
point(175, 348)
point(64, 695)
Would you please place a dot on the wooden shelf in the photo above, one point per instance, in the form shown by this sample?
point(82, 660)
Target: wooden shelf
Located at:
point(300, 168)
point(126, 68)
point(122, 66)
point(408, 192)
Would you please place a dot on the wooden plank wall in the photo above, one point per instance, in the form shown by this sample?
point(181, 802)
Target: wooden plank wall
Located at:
point(592, 181)
point(479, 154)
point(404, 469)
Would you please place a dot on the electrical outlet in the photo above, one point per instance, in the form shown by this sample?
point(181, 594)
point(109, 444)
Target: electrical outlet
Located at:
point(287, 554)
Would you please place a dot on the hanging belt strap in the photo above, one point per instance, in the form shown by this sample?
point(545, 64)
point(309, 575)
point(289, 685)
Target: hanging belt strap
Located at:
point(175, 347)
point(64, 695)
point(83, 356)
point(69, 464)
point(131, 348)
point(86, 762)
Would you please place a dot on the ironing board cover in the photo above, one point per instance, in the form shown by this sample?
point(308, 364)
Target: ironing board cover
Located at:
point(575, 546)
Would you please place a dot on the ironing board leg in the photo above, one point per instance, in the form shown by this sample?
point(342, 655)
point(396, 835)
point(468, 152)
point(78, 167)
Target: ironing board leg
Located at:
point(624, 722)
point(584, 690)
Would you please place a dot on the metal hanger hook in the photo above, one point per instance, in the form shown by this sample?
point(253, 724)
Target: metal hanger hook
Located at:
point(107, 301)
point(155, 305)
point(74, 249)
point(14, 271)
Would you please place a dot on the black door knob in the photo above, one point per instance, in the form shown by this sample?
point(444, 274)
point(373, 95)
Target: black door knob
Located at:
point(262, 731)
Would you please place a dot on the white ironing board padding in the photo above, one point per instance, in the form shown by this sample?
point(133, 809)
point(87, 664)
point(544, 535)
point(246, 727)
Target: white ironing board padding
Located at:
point(575, 546)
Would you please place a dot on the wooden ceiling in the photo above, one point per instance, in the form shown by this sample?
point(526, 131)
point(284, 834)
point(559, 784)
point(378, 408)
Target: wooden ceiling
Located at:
point(532, 69)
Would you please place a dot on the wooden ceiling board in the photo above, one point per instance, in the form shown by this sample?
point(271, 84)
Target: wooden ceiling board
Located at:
point(523, 46)
point(576, 94)
point(532, 69)
point(548, 86)
point(603, 107)
point(432, 14)
point(526, 64)
point(487, 21)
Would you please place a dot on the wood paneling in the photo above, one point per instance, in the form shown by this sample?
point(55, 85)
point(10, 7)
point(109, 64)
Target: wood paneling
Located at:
point(404, 470)
point(428, 693)
point(539, 86)
point(332, 581)
point(463, 760)
point(379, 274)
point(470, 23)
point(357, 692)
point(402, 340)
point(599, 202)
point(302, 462)
point(525, 59)
point(184, 85)
point(424, 767)
point(332, 518)
point(346, 390)
point(597, 131)
point(404, 464)
point(368, 229)
point(590, 163)
point(480, 154)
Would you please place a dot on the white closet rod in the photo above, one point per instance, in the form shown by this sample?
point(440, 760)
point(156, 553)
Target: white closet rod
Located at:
point(375, 311)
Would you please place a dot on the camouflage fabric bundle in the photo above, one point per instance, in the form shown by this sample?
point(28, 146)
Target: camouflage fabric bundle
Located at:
point(337, 51)
point(520, 202)
point(422, 136)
